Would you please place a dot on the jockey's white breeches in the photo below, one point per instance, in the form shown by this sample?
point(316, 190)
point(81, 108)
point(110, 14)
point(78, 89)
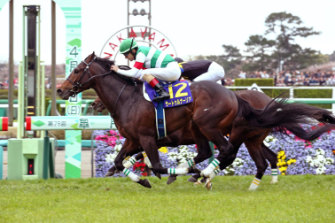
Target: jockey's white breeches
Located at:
point(215, 73)
point(169, 73)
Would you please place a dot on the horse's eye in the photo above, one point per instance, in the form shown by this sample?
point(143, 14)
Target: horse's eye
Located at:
point(76, 70)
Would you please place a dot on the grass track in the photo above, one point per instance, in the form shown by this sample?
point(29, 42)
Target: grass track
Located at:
point(303, 198)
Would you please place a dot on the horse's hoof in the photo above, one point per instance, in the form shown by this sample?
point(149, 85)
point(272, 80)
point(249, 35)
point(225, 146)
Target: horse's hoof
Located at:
point(171, 179)
point(144, 183)
point(198, 182)
point(110, 173)
point(208, 184)
point(192, 179)
point(203, 180)
point(158, 175)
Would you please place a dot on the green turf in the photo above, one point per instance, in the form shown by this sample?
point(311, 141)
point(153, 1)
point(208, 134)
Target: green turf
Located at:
point(294, 199)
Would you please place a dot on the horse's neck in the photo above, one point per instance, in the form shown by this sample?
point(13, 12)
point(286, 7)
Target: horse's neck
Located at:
point(115, 94)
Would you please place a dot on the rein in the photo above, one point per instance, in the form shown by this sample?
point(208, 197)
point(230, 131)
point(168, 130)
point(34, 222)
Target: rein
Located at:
point(117, 99)
point(77, 84)
point(92, 77)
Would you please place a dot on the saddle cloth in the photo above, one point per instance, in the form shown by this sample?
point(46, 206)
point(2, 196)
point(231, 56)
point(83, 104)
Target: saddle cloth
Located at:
point(180, 94)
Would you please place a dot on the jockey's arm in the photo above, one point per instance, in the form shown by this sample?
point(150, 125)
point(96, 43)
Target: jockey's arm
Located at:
point(135, 70)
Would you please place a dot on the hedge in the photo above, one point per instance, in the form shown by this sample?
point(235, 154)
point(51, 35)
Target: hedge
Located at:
point(285, 93)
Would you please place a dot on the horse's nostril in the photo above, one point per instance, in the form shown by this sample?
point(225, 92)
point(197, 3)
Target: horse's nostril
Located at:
point(59, 91)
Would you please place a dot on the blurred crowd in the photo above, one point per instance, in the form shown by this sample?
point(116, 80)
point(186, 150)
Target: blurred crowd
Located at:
point(296, 78)
point(4, 84)
point(281, 79)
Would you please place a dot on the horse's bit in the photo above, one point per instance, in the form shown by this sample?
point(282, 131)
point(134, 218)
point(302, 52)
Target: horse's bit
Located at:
point(76, 85)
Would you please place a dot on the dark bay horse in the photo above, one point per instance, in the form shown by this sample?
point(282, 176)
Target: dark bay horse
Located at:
point(210, 116)
point(134, 116)
point(253, 138)
point(257, 100)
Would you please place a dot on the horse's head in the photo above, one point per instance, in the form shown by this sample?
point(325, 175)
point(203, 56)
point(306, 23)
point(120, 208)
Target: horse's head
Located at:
point(79, 79)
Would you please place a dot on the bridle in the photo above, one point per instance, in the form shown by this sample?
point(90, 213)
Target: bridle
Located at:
point(77, 84)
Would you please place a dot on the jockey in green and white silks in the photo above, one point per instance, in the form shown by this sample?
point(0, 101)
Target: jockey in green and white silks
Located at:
point(150, 63)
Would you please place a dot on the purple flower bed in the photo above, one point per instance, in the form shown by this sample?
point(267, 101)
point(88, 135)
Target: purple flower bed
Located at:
point(315, 157)
point(105, 146)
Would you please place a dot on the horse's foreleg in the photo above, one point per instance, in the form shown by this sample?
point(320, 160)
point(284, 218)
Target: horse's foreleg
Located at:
point(150, 147)
point(119, 166)
point(133, 159)
point(204, 152)
point(272, 158)
point(129, 148)
point(224, 147)
point(111, 171)
point(127, 164)
point(226, 158)
point(190, 165)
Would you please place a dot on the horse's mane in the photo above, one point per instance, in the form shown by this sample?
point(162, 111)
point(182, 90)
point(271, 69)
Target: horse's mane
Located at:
point(106, 64)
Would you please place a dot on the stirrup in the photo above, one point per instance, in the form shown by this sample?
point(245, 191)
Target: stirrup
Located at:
point(161, 98)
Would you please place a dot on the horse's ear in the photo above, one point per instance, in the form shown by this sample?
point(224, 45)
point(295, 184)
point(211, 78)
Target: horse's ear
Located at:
point(93, 54)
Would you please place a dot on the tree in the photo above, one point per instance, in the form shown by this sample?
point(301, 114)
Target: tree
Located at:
point(260, 50)
point(230, 60)
point(306, 57)
point(287, 27)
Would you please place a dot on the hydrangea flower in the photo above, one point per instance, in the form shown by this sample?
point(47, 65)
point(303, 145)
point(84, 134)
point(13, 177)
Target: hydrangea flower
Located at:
point(319, 161)
point(316, 157)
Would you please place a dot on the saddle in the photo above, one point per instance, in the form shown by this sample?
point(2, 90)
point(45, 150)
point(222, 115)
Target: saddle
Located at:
point(180, 94)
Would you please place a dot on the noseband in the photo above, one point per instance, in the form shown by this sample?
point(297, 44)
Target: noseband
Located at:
point(77, 84)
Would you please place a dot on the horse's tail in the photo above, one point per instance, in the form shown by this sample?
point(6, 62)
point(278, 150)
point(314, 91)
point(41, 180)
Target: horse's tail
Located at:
point(284, 116)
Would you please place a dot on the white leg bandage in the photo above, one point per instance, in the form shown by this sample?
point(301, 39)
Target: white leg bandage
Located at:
point(178, 171)
point(131, 175)
point(274, 173)
point(146, 160)
point(214, 173)
point(130, 162)
point(254, 184)
point(210, 168)
point(188, 164)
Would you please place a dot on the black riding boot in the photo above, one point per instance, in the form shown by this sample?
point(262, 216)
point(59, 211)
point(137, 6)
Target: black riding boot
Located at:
point(161, 93)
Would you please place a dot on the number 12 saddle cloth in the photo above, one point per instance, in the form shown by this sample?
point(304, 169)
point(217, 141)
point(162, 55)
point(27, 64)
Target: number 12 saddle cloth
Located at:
point(180, 94)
